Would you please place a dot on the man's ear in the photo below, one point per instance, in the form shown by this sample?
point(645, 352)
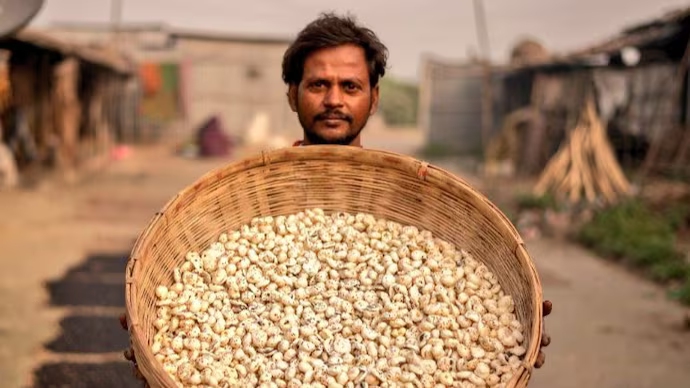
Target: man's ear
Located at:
point(374, 100)
point(292, 97)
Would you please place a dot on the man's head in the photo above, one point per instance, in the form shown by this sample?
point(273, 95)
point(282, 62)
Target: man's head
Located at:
point(332, 70)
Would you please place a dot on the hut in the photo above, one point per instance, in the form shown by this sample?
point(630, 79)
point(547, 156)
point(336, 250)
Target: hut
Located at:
point(67, 103)
point(191, 76)
point(638, 80)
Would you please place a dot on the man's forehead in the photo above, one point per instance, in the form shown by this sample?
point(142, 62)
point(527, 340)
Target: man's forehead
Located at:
point(346, 58)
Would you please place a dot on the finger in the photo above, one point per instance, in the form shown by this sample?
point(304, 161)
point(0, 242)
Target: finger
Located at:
point(548, 306)
point(541, 358)
point(545, 340)
point(129, 354)
point(123, 321)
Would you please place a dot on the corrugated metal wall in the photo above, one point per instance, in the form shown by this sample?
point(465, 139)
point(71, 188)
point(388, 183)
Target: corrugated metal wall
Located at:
point(651, 108)
point(450, 111)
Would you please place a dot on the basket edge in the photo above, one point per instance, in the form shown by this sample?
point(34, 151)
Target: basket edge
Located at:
point(267, 157)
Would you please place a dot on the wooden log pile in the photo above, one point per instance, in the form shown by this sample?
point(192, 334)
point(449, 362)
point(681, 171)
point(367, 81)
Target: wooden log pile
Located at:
point(585, 167)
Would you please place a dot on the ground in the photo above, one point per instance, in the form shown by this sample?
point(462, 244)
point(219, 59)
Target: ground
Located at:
point(63, 251)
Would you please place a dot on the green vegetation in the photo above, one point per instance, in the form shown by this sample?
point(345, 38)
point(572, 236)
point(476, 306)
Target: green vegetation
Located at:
point(435, 150)
point(682, 294)
point(398, 103)
point(528, 201)
point(678, 173)
point(636, 235)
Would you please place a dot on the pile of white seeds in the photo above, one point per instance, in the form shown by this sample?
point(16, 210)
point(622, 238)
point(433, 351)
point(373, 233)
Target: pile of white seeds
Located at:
point(339, 300)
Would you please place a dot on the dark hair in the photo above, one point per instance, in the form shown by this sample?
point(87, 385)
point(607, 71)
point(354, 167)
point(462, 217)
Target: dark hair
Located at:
point(328, 31)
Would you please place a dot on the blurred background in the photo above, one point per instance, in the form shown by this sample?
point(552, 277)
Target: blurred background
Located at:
point(572, 116)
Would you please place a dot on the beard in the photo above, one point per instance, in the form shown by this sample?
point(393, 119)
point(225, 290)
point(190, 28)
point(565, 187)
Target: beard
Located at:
point(313, 136)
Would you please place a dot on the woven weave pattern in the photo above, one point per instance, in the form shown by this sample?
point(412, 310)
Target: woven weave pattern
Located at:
point(334, 178)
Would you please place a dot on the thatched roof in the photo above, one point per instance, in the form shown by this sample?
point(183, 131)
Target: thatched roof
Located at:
point(176, 32)
point(103, 57)
point(528, 51)
point(654, 31)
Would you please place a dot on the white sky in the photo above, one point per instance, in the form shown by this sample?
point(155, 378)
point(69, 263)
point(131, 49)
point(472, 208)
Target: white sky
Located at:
point(408, 27)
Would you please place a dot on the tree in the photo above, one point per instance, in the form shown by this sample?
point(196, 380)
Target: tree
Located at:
point(398, 103)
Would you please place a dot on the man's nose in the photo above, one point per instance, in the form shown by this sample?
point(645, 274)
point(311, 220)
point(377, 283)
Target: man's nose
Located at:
point(334, 97)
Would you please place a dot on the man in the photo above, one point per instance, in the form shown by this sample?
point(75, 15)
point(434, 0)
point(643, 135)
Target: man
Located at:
point(332, 71)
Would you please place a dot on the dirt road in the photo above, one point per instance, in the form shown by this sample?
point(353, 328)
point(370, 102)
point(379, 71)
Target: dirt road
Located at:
point(63, 252)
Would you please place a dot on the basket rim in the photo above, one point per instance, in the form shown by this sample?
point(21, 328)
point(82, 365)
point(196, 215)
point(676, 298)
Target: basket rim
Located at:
point(421, 169)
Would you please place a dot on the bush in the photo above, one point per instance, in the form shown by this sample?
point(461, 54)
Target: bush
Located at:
point(682, 294)
point(530, 201)
point(634, 234)
point(678, 215)
point(436, 151)
point(398, 103)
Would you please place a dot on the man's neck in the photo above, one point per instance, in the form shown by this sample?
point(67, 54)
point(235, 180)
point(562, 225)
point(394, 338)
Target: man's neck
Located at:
point(304, 142)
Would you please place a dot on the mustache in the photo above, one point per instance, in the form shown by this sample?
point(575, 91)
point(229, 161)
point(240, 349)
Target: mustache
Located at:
point(333, 115)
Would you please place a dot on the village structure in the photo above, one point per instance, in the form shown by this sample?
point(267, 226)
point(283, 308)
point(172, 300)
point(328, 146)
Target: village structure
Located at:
point(71, 93)
point(62, 104)
point(632, 88)
point(190, 76)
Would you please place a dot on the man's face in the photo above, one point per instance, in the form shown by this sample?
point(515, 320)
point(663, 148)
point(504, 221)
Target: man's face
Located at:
point(334, 100)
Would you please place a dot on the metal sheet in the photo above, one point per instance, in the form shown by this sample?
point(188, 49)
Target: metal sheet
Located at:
point(15, 14)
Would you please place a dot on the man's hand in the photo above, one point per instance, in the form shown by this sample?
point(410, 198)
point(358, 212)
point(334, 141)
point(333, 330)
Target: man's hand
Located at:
point(545, 338)
point(129, 354)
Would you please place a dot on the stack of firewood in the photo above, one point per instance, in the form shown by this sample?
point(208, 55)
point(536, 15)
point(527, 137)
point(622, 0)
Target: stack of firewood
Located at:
point(585, 167)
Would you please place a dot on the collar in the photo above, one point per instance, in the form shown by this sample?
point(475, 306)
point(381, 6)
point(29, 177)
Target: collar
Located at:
point(300, 143)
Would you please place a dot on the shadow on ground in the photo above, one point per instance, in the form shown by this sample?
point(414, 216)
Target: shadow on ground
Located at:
point(92, 333)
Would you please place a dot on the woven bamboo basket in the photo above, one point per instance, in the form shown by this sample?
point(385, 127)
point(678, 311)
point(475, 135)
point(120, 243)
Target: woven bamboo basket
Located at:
point(334, 178)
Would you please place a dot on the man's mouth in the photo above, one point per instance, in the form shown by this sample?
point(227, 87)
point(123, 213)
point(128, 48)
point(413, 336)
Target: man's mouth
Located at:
point(333, 122)
point(333, 118)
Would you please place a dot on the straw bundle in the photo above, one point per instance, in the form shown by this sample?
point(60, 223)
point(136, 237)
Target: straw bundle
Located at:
point(334, 178)
point(585, 165)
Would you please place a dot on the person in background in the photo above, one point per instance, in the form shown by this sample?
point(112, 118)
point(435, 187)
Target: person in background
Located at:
point(332, 71)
